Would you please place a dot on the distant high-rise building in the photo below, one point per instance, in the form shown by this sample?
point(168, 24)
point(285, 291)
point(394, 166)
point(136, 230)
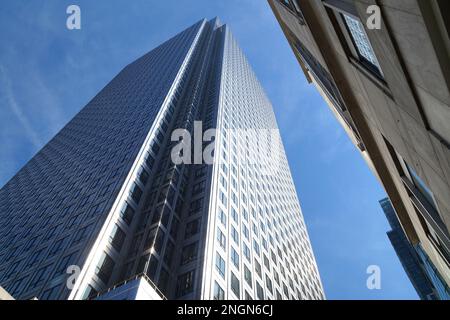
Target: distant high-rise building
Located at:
point(383, 68)
point(407, 254)
point(106, 195)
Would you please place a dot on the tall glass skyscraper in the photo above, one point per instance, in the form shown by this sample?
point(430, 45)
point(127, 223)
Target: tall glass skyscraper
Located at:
point(103, 211)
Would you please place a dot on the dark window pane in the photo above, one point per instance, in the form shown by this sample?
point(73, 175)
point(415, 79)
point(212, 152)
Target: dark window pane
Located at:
point(185, 283)
point(189, 253)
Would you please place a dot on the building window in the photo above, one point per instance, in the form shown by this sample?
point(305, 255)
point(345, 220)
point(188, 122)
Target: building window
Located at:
point(168, 253)
point(192, 228)
point(149, 161)
point(200, 172)
point(421, 186)
point(246, 251)
point(266, 262)
point(219, 294)
point(259, 291)
point(430, 218)
point(279, 296)
point(235, 235)
point(189, 253)
point(198, 188)
point(151, 267)
point(221, 239)
point(223, 198)
point(276, 277)
point(258, 268)
point(423, 199)
point(127, 213)
point(256, 247)
point(220, 265)
point(223, 181)
point(285, 290)
point(442, 289)
point(222, 217)
point(362, 44)
point(247, 276)
point(235, 258)
point(136, 193)
point(196, 206)
point(105, 268)
point(143, 176)
point(165, 216)
point(163, 280)
point(174, 227)
point(185, 283)
point(117, 238)
point(355, 41)
point(159, 240)
point(234, 215)
point(235, 287)
point(269, 283)
point(149, 241)
point(245, 214)
point(245, 231)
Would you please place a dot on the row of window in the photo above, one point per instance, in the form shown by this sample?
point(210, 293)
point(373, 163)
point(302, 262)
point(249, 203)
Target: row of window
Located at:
point(257, 207)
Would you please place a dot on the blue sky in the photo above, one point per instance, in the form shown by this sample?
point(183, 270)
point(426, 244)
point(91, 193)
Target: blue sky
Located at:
point(48, 73)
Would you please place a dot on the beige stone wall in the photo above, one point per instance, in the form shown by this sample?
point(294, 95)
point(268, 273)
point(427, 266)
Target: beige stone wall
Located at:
point(4, 295)
point(411, 109)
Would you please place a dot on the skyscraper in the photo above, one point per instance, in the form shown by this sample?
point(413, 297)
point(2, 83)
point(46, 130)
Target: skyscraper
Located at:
point(383, 69)
point(407, 254)
point(104, 211)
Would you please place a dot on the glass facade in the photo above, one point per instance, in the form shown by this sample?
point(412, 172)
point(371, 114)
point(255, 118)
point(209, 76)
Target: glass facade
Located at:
point(104, 194)
point(407, 255)
point(442, 289)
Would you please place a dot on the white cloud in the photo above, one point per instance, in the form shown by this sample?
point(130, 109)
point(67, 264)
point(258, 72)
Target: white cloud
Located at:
point(16, 109)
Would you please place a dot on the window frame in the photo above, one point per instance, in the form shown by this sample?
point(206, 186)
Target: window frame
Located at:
point(218, 292)
point(336, 9)
point(427, 213)
point(220, 265)
point(375, 69)
point(233, 281)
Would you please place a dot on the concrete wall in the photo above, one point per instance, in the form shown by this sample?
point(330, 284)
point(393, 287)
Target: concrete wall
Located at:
point(410, 108)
